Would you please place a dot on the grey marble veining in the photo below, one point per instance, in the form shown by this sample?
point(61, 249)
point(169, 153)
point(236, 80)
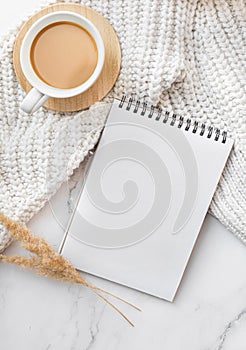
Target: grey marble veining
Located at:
point(238, 321)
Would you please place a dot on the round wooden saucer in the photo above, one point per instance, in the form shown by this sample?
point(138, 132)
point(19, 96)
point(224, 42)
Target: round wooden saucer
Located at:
point(110, 70)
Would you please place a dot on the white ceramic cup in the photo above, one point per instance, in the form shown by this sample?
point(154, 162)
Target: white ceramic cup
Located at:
point(41, 91)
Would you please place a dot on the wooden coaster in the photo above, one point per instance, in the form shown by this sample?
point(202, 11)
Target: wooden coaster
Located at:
point(110, 70)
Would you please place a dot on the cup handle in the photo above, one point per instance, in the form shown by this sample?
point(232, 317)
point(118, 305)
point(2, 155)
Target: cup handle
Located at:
point(33, 100)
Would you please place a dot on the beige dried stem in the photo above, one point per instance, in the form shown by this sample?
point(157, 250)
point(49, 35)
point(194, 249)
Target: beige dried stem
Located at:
point(46, 262)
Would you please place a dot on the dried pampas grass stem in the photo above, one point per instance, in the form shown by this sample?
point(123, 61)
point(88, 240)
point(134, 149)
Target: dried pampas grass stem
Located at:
point(46, 262)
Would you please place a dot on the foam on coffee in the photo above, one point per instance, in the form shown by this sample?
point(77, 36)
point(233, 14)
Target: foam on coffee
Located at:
point(64, 55)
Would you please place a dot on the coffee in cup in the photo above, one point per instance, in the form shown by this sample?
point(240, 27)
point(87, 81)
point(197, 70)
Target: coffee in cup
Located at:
point(62, 55)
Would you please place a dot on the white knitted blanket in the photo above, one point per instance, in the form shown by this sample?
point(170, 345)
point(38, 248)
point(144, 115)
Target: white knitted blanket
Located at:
point(186, 56)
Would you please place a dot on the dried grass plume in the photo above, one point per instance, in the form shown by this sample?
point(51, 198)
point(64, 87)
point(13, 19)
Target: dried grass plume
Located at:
point(46, 262)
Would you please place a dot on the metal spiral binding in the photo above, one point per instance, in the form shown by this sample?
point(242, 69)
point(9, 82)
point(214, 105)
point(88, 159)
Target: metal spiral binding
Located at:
point(179, 121)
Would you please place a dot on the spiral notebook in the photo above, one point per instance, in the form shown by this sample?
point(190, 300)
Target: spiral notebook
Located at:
point(146, 193)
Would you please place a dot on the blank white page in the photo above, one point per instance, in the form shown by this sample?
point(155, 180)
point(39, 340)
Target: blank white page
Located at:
point(145, 197)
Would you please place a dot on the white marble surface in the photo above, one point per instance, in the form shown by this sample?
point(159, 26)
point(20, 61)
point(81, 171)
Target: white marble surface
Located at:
point(209, 312)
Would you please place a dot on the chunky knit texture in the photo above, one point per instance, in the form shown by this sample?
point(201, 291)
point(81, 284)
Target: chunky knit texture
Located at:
point(185, 56)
